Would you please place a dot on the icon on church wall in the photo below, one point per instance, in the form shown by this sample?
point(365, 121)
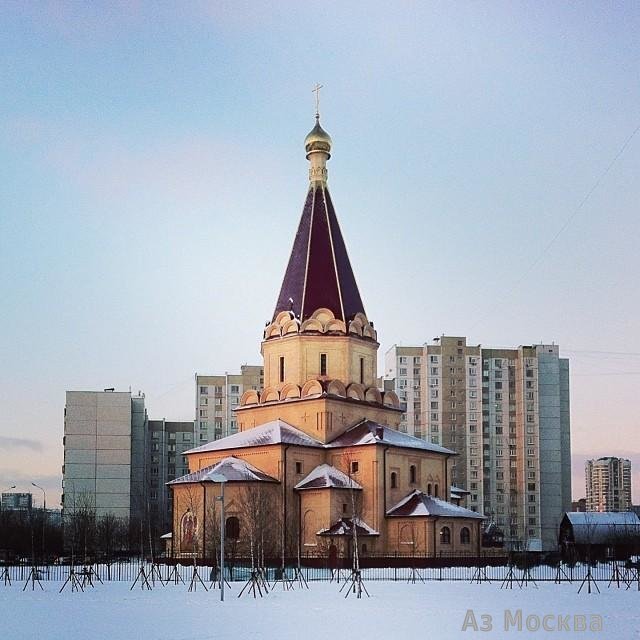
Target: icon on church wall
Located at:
point(188, 529)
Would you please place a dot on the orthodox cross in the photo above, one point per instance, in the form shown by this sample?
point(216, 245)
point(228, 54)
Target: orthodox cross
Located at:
point(316, 90)
point(342, 418)
point(305, 416)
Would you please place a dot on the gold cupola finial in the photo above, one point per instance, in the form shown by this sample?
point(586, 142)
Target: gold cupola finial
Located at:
point(317, 144)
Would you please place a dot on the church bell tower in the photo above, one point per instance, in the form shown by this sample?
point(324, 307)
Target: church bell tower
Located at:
point(319, 348)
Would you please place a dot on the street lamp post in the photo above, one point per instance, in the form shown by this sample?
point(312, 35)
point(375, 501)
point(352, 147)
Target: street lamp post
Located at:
point(220, 479)
point(44, 513)
point(13, 486)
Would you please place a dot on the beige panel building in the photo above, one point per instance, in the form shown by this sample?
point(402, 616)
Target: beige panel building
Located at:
point(216, 398)
point(506, 413)
point(608, 484)
point(103, 467)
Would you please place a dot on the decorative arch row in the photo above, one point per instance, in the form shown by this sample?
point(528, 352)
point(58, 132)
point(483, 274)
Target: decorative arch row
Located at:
point(445, 535)
point(407, 535)
point(321, 321)
point(315, 388)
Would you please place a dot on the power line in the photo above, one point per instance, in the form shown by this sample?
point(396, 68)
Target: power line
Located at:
point(174, 387)
point(609, 373)
point(630, 354)
point(569, 220)
point(581, 204)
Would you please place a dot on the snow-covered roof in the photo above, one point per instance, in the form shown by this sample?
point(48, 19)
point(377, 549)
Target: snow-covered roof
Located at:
point(369, 432)
point(278, 431)
point(458, 491)
point(327, 476)
point(593, 527)
point(344, 527)
point(167, 536)
point(603, 518)
point(275, 432)
point(418, 503)
point(232, 468)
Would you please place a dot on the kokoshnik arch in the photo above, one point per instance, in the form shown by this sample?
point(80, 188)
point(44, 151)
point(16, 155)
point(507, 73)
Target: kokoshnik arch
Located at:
point(320, 442)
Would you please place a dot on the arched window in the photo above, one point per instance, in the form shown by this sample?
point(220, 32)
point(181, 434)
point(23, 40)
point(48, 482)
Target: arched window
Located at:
point(412, 474)
point(465, 535)
point(394, 480)
point(429, 489)
point(435, 490)
point(364, 548)
point(188, 532)
point(445, 535)
point(232, 528)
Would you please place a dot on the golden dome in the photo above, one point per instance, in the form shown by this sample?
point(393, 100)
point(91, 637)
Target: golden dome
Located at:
point(318, 140)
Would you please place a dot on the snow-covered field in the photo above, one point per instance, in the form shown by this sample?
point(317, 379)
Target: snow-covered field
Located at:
point(397, 610)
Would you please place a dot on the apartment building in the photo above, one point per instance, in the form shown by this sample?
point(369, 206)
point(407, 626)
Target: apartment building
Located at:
point(506, 413)
point(452, 382)
point(216, 398)
point(104, 453)
point(117, 461)
point(165, 445)
point(13, 501)
point(404, 366)
point(608, 484)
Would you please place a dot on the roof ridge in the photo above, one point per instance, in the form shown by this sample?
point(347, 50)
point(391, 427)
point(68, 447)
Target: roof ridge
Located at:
point(333, 254)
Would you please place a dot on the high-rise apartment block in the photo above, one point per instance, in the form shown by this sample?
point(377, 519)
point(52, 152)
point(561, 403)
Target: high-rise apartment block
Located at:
point(104, 455)
point(608, 483)
point(216, 398)
point(166, 443)
point(506, 414)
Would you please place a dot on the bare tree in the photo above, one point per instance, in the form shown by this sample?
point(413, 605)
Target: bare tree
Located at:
point(80, 525)
point(355, 499)
point(190, 527)
point(355, 583)
point(211, 536)
point(258, 503)
point(111, 534)
point(257, 506)
point(15, 533)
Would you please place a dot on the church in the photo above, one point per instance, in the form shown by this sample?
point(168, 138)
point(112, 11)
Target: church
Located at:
point(318, 448)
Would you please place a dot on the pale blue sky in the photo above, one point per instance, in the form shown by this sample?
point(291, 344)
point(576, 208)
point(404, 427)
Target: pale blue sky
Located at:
point(153, 175)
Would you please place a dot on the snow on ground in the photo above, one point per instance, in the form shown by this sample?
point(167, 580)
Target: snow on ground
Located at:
point(433, 610)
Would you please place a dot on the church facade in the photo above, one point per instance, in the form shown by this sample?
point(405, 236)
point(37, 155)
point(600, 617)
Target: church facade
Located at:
point(318, 463)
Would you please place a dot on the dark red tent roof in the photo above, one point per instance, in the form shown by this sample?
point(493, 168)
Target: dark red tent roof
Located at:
point(319, 273)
